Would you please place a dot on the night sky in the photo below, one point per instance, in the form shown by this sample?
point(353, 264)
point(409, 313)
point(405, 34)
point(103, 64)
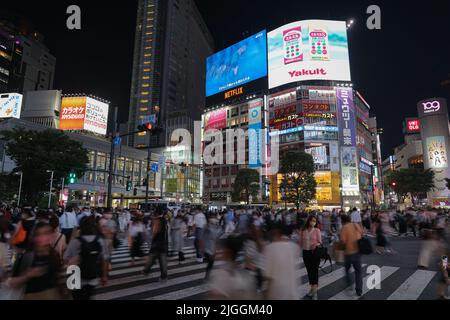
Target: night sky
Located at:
point(393, 68)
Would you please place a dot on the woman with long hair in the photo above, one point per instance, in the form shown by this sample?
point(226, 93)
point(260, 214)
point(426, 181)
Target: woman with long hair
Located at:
point(310, 239)
point(38, 268)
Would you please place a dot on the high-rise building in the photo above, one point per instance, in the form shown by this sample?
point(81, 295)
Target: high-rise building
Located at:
point(26, 64)
point(168, 81)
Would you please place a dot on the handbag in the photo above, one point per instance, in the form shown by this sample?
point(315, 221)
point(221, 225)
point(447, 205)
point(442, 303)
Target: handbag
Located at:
point(365, 246)
point(321, 253)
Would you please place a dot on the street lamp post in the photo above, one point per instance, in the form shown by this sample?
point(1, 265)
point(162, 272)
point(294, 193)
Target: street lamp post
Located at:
point(20, 187)
point(51, 187)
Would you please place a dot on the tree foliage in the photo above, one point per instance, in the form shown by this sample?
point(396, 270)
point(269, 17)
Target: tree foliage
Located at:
point(245, 185)
point(298, 184)
point(413, 181)
point(35, 152)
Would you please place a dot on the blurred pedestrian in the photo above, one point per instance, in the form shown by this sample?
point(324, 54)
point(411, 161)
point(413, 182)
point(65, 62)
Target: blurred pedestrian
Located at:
point(199, 226)
point(159, 244)
point(176, 233)
point(281, 266)
point(350, 234)
point(136, 237)
point(68, 223)
point(229, 282)
point(89, 252)
point(37, 270)
point(59, 239)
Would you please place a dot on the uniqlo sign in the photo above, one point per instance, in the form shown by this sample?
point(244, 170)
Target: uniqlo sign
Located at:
point(413, 126)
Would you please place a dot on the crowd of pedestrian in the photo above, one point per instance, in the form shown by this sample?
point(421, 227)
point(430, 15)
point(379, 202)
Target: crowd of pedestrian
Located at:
point(260, 249)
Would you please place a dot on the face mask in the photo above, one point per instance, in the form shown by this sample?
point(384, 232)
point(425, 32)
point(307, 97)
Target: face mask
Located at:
point(312, 224)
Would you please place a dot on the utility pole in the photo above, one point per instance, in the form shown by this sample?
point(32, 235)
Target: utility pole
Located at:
point(20, 188)
point(149, 154)
point(51, 187)
point(111, 159)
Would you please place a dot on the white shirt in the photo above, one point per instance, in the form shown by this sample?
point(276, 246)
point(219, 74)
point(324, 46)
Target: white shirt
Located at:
point(356, 217)
point(199, 220)
point(68, 220)
point(281, 259)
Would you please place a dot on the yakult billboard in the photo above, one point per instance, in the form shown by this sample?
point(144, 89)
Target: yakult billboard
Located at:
point(308, 50)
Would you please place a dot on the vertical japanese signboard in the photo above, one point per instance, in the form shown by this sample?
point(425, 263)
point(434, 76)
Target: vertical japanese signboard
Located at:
point(347, 139)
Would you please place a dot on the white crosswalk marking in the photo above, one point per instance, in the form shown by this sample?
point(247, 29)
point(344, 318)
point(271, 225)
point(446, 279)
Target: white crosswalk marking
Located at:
point(344, 294)
point(325, 280)
point(413, 287)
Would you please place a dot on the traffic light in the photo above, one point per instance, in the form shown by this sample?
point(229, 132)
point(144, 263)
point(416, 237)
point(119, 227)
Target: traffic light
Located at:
point(72, 178)
point(129, 185)
point(393, 184)
point(150, 127)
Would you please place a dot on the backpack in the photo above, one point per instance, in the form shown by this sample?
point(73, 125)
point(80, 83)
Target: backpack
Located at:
point(90, 256)
point(20, 235)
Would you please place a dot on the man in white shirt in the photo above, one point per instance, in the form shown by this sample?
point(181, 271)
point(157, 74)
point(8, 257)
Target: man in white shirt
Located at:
point(281, 267)
point(199, 227)
point(85, 213)
point(356, 216)
point(68, 222)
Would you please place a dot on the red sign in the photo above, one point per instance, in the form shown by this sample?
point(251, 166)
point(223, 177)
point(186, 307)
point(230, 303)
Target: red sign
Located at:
point(216, 119)
point(413, 125)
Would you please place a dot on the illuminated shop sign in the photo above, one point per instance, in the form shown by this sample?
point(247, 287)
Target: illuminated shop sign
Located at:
point(305, 128)
point(413, 126)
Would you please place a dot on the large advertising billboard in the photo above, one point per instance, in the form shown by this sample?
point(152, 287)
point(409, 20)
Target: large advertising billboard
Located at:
point(216, 119)
point(238, 64)
point(10, 105)
point(254, 132)
point(308, 50)
point(83, 113)
point(437, 152)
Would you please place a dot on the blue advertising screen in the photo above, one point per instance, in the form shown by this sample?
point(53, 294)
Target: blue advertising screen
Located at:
point(239, 64)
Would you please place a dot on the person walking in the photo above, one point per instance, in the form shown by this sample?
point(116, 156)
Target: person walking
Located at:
point(68, 222)
point(310, 239)
point(199, 225)
point(176, 233)
point(159, 244)
point(37, 270)
point(350, 234)
point(211, 236)
point(89, 252)
point(281, 266)
point(136, 237)
point(59, 243)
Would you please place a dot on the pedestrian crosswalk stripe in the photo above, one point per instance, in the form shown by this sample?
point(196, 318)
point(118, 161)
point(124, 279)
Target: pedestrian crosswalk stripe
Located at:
point(324, 280)
point(413, 287)
point(344, 294)
point(123, 293)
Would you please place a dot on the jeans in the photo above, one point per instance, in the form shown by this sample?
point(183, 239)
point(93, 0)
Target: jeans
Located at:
point(162, 258)
point(312, 264)
point(355, 261)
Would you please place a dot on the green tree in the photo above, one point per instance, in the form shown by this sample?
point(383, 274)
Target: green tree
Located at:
point(9, 186)
point(412, 181)
point(245, 185)
point(35, 152)
point(298, 184)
